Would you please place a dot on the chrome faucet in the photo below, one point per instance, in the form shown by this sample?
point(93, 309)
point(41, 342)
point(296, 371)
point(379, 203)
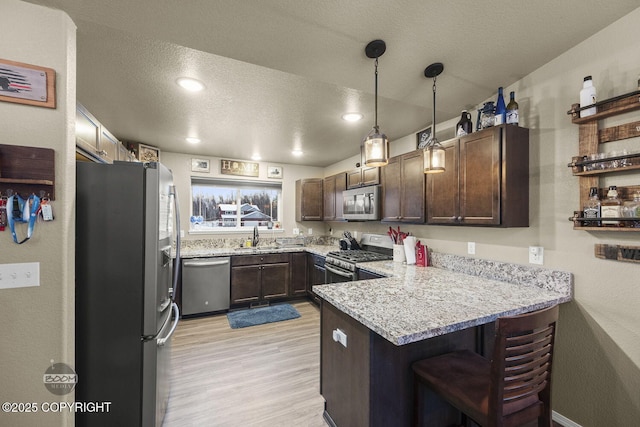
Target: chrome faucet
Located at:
point(256, 237)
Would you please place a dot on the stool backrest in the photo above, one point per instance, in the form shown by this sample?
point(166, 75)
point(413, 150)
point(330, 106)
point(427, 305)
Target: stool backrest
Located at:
point(521, 365)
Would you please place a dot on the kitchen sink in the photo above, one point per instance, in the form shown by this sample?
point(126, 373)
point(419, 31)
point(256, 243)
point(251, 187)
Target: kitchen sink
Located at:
point(257, 249)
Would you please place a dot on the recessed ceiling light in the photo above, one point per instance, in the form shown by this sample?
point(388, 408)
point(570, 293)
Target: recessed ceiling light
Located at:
point(352, 117)
point(190, 84)
point(297, 153)
point(192, 140)
point(256, 157)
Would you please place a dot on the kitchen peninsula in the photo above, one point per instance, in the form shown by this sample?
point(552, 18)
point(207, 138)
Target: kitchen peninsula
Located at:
point(372, 330)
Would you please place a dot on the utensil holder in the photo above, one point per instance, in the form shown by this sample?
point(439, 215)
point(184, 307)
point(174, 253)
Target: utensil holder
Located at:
point(398, 253)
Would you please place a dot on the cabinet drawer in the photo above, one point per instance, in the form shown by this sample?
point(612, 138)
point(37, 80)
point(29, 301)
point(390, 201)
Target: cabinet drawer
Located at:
point(259, 259)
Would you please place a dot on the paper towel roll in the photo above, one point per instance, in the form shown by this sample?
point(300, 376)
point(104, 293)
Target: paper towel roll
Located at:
point(410, 249)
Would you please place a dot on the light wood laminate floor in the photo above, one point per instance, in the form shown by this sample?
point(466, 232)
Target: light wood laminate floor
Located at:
point(266, 375)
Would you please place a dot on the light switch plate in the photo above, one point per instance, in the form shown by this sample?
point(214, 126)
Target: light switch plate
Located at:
point(536, 255)
point(471, 248)
point(21, 275)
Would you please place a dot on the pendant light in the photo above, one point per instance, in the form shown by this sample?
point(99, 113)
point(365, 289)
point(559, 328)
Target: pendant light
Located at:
point(375, 145)
point(433, 152)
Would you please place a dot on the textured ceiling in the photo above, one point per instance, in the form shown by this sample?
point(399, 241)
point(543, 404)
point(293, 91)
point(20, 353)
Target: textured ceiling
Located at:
point(280, 73)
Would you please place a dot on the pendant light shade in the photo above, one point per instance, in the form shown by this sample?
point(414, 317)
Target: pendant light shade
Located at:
point(375, 146)
point(434, 154)
point(434, 159)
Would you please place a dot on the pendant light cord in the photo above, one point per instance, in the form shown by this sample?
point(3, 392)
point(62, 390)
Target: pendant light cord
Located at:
point(375, 126)
point(433, 136)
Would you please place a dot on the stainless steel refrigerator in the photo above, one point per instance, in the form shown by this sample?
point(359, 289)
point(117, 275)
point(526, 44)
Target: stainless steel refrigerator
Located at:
point(125, 313)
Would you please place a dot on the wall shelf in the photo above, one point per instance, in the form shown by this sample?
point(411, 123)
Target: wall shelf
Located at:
point(27, 170)
point(590, 139)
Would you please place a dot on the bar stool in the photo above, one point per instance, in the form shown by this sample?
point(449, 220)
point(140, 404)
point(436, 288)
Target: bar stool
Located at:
point(511, 389)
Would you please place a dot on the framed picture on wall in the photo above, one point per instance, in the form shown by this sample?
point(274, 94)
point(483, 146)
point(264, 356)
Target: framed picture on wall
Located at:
point(27, 84)
point(423, 137)
point(274, 172)
point(147, 153)
point(200, 165)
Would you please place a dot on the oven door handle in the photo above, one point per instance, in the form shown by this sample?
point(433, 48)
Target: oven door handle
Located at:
point(348, 275)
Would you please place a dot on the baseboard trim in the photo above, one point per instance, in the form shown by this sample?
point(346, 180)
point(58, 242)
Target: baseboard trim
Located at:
point(564, 421)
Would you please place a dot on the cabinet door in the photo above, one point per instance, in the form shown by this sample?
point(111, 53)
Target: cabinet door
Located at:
point(341, 185)
point(108, 145)
point(392, 190)
point(245, 284)
point(370, 175)
point(275, 280)
point(309, 199)
point(354, 178)
point(413, 187)
point(442, 190)
point(329, 191)
point(87, 131)
point(298, 286)
point(480, 171)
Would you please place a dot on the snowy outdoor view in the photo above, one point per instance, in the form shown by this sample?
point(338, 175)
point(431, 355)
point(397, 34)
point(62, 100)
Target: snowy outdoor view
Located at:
point(216, 206)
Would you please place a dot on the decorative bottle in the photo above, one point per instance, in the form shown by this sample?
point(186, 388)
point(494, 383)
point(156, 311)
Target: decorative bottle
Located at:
point(501, 109)
point(464, 126)
point(512, 110)
point(592, 209)
point(587, 97)
point(611, 207)
point(631, 209)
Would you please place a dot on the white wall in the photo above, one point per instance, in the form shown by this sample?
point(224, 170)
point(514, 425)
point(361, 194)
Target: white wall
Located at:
point(38, 322)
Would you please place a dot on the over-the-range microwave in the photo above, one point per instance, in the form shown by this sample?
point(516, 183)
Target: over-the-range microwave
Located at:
point(361, 204)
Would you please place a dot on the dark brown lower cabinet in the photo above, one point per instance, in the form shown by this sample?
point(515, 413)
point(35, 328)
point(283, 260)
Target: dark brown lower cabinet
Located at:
point(315, 274)
point(370, 383)
point(298, 284)
point(256, 278)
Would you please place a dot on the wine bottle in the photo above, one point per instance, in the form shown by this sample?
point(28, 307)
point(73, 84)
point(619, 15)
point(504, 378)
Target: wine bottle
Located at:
point(501, 109)
point(512, 110)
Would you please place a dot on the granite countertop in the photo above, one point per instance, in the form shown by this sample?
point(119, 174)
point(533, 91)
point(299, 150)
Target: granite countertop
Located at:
point(201, 252)
point(416, 303)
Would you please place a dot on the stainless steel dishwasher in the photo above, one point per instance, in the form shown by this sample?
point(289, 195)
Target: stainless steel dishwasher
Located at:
point(205, 285)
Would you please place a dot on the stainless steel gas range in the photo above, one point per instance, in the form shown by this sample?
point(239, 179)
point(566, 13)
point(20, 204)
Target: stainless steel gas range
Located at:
point(341, 266)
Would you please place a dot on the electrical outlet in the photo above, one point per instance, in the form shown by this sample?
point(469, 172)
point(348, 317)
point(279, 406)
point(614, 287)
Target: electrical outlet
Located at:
point(536, 255)
point(181, 234)
point(296, 231)
point(355, 234)
point(471, 248)
point(19, 275)
point(310, 231)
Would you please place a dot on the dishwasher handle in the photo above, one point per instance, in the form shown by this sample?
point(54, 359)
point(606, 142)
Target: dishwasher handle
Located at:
point(205, 263)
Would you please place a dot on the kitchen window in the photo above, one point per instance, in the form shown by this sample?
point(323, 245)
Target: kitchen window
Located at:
point(224, 206)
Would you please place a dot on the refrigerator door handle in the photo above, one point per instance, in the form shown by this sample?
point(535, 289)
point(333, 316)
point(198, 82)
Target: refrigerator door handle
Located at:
point(164, 304)
point(176, 312)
